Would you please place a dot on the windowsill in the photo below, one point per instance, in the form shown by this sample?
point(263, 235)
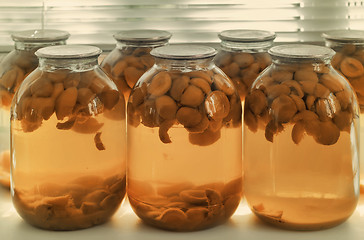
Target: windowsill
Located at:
point(126, 225)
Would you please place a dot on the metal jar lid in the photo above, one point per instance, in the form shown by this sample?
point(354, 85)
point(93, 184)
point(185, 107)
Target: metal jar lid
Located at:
point(344, 35)
point(183, 52)
point(301, 51)
point(142, 35)
point(39, 35)
point(246, 35)
point(68, 52)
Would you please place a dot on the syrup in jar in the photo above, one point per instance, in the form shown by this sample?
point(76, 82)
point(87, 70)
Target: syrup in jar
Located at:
point(68, 141)
point(14, 68)
point(349, 61)
point(301, 161)
point(184, 141)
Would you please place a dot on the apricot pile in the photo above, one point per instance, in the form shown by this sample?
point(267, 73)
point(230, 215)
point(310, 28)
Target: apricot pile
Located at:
point(75, 98)
point(311, 98)
point(349, 60)
point(242, 67)
point(201, 101)
point(81, 203)
point(126, 66)
point(184, 206)
point(12, 73)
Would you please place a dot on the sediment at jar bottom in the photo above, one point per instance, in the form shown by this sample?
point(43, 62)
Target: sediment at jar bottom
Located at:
point(125, 67)
point(276, 221)
point(243, 68)
point(304, 213)
point(202, 101)
point(185, 206)
point(81, 203)
point(313, 99)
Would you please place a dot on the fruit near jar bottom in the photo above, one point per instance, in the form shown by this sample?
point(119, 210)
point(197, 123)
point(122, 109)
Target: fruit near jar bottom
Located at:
point(14, 68)
point(349, 61)
point(184, 139)
point(301, 145)
point(68, 142)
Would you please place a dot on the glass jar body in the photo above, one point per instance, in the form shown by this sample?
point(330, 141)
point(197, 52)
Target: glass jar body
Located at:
point(349, 61)
point(184, 141)
point(14, 68)
point(127, 63)
point(301, 146)
point(243, 62)
point(68, 146)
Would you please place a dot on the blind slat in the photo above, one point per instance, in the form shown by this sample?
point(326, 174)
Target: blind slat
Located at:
point(95, 21)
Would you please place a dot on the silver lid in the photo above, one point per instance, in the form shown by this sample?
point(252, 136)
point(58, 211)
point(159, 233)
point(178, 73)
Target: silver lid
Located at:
point(246, 35)
point(68, 52)
point(183, 52)
point(301, 51)
point(142, 35)
point(344, 35)
point(39, 35)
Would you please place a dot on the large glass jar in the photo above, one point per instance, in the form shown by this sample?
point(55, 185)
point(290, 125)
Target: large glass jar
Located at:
point(184, 141)
point(349, 61)
point(13, 69)
point(301, 159)
point(68, 141)
point(131, 58)
point(243, 55)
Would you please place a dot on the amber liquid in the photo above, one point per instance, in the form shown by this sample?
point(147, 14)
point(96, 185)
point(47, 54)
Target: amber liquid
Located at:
point(4, 147)
point(180, 186)
point(304, 187)
point(362, 153)
point(62, 181)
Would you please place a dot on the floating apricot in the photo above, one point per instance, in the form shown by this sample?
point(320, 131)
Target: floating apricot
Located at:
point(192, 96)
point(243, 59)
point(351, 67)
point(160, 84)
point(283, 108)
point(217, 105)
point(188, 117)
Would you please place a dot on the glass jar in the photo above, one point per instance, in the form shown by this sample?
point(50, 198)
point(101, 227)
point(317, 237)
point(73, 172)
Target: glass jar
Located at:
point(184, 141)
point(13, 69)
point(243, 55)
point(131, 58)
point(349, 61)
point(68, 143)
point(301, 143)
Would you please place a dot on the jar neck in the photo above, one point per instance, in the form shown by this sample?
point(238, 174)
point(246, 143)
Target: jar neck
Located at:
point(288, 61)
point(34, 46)
point(337, 45)
point(123, 44)
point(184, 65)
point(253, 47)
point(76, 64)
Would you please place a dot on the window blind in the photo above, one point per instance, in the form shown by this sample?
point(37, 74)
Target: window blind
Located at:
point(95, 21)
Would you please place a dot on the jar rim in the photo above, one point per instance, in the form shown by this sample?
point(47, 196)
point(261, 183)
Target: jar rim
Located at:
point(73, 51)
point(246, 35)
point(301, 51)
point(40, 35)
point(184, 52)
point(344, 35)
point(142, 35)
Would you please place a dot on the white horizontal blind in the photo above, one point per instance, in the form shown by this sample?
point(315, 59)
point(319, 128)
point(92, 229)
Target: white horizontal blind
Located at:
point(95, 21)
